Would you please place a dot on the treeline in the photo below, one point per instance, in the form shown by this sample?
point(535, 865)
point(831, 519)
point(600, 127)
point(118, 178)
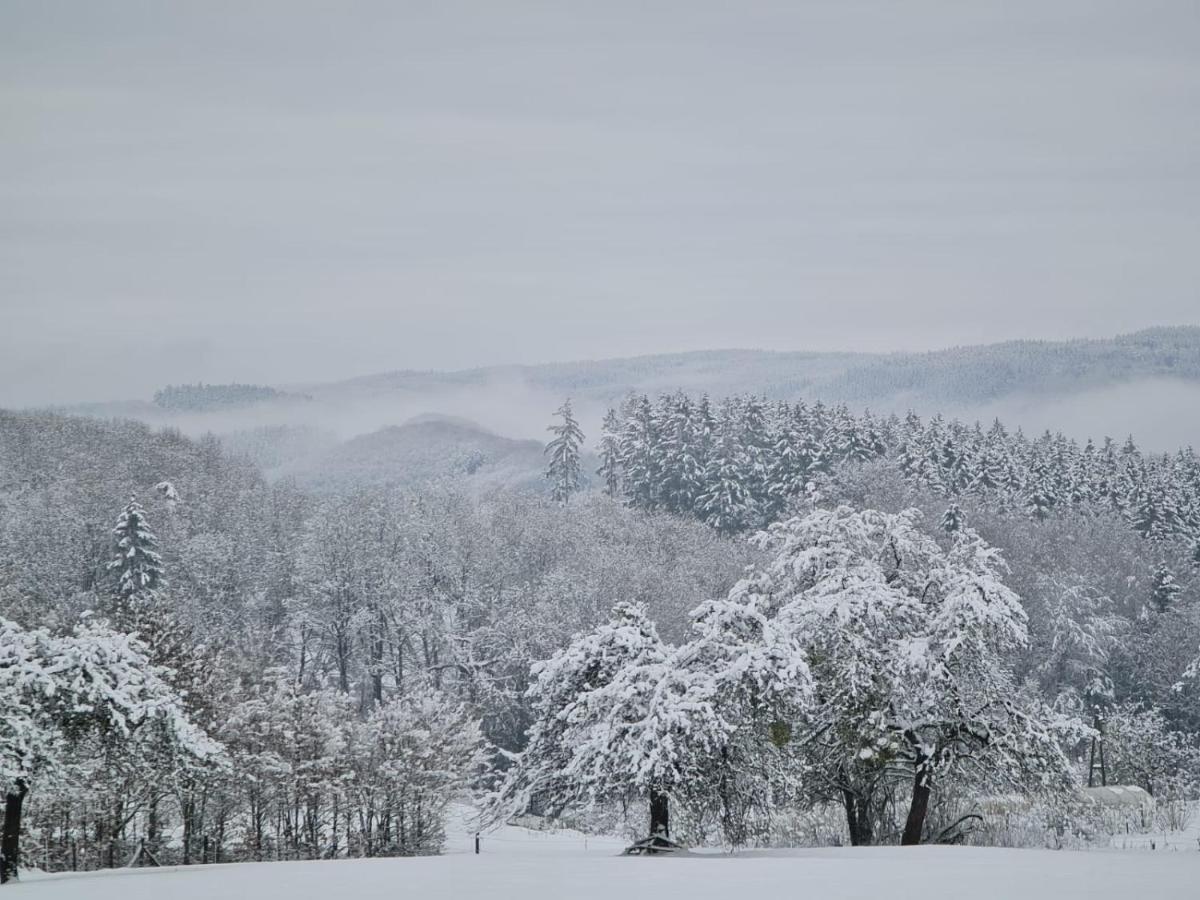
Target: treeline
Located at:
point(206, 397)
point(738, 464)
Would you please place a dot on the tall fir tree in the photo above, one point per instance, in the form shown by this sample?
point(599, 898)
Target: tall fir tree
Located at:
point(1040, 498)
point(683, 465)
point(726, 504)
point(137, 565)
point(564, 449)
point(641, 454)
point(610, 454)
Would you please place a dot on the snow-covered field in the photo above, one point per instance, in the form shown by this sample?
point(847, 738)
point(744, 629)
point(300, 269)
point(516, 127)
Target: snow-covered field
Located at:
point(530, 865)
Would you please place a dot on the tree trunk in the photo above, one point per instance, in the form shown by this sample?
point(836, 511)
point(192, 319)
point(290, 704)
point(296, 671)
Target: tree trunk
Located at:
point(377, 660)
point(858, 819)
point(10, 838)
point(914, 827)
point(660, 823)
point(153, 828)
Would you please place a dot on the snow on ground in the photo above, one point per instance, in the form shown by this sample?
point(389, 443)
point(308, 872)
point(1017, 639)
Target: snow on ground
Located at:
point(567, 865)
point(928, 873)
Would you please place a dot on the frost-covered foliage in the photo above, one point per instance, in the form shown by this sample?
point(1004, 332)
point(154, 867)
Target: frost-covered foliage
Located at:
point(1165, 588)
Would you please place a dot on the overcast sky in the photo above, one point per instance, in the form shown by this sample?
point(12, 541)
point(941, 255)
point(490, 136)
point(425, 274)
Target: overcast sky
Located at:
point(278, 191)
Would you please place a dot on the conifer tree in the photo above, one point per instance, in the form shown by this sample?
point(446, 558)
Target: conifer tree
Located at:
point(1164, 588)
point(726, 504)
point(137, 565)
point(988, 476)
point(641, 457)
point(953, 519)
point(1153, 513)
point(1040, 499)
point(610, 454)
point(564, 452)
point(683, 470)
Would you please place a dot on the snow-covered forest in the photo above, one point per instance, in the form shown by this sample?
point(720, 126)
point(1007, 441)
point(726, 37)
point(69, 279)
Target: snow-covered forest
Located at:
point(577, 451)
point(754, 624)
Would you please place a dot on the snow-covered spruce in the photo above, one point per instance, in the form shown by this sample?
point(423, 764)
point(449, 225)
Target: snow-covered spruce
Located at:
point(564, 471)
point(137, 566)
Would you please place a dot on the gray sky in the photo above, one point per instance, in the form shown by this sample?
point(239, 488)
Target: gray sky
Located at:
point(277, 191)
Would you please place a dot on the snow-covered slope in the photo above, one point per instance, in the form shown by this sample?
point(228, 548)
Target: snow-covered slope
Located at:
point(421, 451)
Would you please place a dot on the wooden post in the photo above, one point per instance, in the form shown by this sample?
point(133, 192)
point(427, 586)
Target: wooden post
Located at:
point(477, 843)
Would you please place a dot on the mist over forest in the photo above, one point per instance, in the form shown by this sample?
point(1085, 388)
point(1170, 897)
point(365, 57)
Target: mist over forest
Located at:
point(1135, 384)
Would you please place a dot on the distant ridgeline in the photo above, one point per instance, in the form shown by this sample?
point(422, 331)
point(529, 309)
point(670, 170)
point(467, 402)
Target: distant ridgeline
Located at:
point(992, 371)
point(738, 464)
point(203, 397)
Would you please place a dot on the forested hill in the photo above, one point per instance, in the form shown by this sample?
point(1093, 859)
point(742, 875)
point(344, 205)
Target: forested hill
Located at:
point(953, 376)
point(992, 371)
point(1085, 388)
